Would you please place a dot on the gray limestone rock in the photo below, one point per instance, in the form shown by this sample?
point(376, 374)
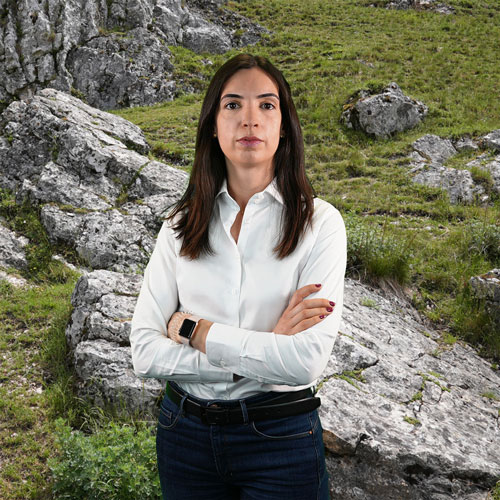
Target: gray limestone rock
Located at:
point(434, 149)
point(14, 280)
point(466, 144)
point(492, 140)
point(115, 52)
point(413, 424)
point(383, 114)
point(491, 164)
point(98, 334)
point(458, 183)
point(429, 154)
point(404, 415)
point(487, 288)
point(431, 5)
point(98, 195)
point(12, 249)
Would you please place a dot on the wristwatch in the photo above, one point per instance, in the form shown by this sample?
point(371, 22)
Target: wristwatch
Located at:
point(187, 329)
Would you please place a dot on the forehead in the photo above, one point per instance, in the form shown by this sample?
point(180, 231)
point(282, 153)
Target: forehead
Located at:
point(250, 81)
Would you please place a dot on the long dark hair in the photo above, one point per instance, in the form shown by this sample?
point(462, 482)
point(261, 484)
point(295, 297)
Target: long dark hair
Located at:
point(209, 168)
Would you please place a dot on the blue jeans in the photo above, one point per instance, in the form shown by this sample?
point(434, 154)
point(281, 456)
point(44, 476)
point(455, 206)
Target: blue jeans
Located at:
point(280, 459)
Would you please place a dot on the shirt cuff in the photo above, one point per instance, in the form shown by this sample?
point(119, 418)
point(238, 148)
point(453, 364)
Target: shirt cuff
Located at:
point(224, 344)
point(209, 372)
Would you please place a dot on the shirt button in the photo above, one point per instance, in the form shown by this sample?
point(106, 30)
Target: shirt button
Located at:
point(223, 363)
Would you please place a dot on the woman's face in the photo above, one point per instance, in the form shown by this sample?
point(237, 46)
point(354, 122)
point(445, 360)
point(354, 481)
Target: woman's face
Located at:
point(248, 120)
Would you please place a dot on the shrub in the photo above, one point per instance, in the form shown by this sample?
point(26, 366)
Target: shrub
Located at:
point(476, 324)
point(481, 239)
point(115, 463)
point(374, 254)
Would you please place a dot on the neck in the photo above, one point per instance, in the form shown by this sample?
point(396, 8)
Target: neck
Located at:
point(242, 185)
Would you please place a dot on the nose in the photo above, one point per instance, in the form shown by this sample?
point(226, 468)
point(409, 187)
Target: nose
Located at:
point(250, 118)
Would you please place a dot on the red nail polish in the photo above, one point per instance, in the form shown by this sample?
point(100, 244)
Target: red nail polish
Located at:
point(329, 309)
point(332, 303)
point(318, 285)
point(322, 316)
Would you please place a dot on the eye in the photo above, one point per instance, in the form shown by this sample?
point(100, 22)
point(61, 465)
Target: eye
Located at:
point(268, 105)
point(231, 105)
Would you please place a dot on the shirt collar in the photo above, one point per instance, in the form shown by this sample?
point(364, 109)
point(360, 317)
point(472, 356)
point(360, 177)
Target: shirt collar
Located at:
point(271, 189)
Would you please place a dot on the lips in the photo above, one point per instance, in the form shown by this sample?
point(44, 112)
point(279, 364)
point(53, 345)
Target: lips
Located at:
point(249, 141)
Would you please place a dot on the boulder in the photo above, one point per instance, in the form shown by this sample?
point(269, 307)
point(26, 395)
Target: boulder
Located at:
point(97, 195)
point(434, 149)
point(486, 288)
point(414, 418)
point(431, 151)
point(492, 140)
point(458, 183)
point(113, 53)
point(97, 334)
point(383, 114)
point(12, 249)
point(431, 5)
point(404, 416)
point(466, 144)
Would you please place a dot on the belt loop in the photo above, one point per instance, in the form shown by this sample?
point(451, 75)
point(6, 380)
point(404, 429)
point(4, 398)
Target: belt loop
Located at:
point(181, 404)
point(244, 411)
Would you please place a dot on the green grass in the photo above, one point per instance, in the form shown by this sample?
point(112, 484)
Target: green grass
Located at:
point(30, 320)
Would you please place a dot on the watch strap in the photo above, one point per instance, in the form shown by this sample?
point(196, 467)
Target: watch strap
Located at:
point(195, 319)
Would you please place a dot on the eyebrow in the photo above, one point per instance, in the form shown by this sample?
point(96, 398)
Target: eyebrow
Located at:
point(237, 96)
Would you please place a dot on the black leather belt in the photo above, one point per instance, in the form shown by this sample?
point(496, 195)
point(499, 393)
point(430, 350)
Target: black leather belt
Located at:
point(286, 405)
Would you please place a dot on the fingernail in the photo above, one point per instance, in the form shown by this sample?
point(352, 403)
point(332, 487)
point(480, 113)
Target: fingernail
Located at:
point(329, 309)
point(322, 316)
point(332, 303)
point(318, 285)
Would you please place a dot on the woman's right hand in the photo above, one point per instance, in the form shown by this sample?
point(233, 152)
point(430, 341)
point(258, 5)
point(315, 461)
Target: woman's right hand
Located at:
point(302, 314)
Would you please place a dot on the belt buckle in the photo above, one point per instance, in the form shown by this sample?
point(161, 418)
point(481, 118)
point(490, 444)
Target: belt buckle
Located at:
point(216, 415)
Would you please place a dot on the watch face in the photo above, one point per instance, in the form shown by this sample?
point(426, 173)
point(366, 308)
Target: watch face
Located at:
point(187, 328)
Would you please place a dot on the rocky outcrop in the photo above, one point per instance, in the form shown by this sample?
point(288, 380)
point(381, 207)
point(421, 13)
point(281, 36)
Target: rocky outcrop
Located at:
point(382, 114)
point(430, 5)
point(404, 415)
point(429, 154)
point(114, 53)
point(486, 288)
point(97, 195)
point(12, 253)
point(97, 335)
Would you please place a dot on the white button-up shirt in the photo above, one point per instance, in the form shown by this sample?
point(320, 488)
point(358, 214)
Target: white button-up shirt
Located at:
point(243, 288)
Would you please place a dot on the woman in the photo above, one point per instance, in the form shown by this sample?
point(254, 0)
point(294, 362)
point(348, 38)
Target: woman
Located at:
point(246, 281)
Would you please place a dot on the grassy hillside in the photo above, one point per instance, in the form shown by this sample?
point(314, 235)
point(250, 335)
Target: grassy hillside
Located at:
point(407, 235)
point(327, 51)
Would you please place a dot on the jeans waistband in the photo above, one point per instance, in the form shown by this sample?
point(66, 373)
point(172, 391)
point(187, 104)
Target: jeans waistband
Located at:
point(260, 407)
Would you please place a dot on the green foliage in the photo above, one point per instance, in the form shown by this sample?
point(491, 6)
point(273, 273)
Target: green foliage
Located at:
point(375, 254)
point(31, 321)
point(484, 178)
point(496, 492)
point(411, 420)
point(367, 302)
point(481, 239)
point(25, 219)
point(115, 463)
point(475, 323)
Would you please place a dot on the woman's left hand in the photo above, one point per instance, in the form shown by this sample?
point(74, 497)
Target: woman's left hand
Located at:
point(174, 325)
